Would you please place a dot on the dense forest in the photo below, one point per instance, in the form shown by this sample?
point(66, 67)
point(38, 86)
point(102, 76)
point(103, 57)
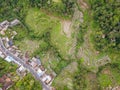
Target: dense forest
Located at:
point(19, 7)
point(106, 15)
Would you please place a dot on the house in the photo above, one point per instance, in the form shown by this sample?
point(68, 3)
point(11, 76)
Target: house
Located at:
point(4, 25)
point(6, 40)
point(35, 62)
point(14, 47)
point(14, 22)
point(2, 55)
point(6, 45)
point(41, 67)
point(10, 42)
point(6, 82)
point(40, 72)
point(12, 50)
point(21, 71)
point(17, 54)
point(26, 56)
point(9, 59)
point(46, 78)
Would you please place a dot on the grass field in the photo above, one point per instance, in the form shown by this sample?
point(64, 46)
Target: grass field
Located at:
point(40, 23)
point(60, 41)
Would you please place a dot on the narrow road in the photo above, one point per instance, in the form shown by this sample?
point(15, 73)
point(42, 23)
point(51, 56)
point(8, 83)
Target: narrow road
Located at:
point(28, 67)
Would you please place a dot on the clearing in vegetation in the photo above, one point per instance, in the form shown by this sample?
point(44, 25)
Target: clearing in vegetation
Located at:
point(40, 23)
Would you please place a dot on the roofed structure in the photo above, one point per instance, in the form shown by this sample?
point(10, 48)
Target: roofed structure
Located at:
point(6, 82)
point(14, 22)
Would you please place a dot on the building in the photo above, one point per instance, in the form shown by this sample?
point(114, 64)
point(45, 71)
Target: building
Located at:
point(21, 71)
point(41, 67)
point(2, 55)
point(26, 56)
point(6, 40)
point(12, 50)
point(6, 82)
point(35, 62)
point(17, 54)
point(14, 22)
point(40, 72)
point(9, 59)
point(46, 79)
point(14, 47)
point(4, 25)
point(10, 43)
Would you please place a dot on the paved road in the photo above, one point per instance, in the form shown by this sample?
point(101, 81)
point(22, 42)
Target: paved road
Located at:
point(28, 67)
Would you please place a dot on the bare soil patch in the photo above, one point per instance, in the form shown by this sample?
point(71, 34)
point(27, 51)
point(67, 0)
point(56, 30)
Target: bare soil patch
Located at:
point(106, 71)
point(92, 76)
point(66, 25)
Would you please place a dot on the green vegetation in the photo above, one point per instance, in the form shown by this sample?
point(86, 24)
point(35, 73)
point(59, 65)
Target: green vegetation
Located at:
point(81, 33)
point(41, 34)
point(80, 82)
point(42, 25)
point(6, 67)
point(104, 80)
point(39, 22)
point(63, 8)
point(21, 32)
point(27, 83)
point(64, 80)
point(106, 15)
point(108, 76)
